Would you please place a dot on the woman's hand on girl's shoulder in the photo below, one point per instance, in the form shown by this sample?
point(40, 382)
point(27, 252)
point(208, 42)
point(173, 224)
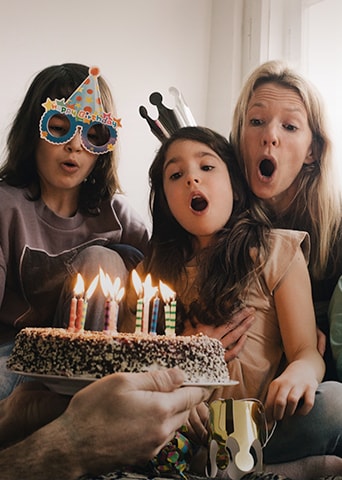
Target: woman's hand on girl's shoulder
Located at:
point(232, 334)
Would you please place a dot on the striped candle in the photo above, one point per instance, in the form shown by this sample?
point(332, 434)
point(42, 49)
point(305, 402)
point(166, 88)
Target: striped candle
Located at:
point(139, 315)
point(154, 320)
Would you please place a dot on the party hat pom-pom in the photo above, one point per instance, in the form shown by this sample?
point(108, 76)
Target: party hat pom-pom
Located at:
point(94, 71)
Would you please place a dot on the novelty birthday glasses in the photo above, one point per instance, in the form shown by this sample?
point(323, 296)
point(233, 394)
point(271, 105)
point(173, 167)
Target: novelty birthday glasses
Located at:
point(82, 111)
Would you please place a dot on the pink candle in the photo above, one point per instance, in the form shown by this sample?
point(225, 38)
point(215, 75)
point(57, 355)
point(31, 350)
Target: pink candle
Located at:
point(114, 312)
point(107, 314)
point(76, 306)
point(72, 316)
point(79, 314)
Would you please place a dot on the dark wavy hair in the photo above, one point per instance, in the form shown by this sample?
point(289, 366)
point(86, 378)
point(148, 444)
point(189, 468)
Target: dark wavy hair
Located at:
point(19, 168)
point(225, 268)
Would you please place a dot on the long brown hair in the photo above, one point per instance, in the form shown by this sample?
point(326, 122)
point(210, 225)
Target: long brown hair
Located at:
point(317, 205)
point(19, 168)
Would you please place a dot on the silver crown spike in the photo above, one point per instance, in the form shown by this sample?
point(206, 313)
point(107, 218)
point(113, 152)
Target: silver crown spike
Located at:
point(168, 120)
point(182, 110)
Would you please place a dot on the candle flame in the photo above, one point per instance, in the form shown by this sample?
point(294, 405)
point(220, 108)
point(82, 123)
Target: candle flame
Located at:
point(149, 291)
point(120, 294)
point(92, 287)
point(109, 288)
point(79, 286)
point(137, 282)
point(116, 287)
point(102, 277)
point(166, 292)
point(105, 284)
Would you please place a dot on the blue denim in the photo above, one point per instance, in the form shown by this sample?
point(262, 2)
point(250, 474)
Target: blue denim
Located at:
point(8, 379)
point(317, 433)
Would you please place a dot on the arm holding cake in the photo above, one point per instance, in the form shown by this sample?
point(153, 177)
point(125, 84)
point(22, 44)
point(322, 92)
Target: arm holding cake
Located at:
point(146, 408)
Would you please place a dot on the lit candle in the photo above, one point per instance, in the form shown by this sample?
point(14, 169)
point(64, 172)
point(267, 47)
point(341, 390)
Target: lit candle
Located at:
point(113, 294)
point(113, 288)
point(117, 300)
point(79, 314)
point(107, 311)
point(173, 316)
point(149, 292)
point(72, 316)
point(76, 304)
point(87, 296)
point(140, 302)
point(118, 294)
point(154, 320)
point(167, 315)
point(106, 285)
point(170, 306)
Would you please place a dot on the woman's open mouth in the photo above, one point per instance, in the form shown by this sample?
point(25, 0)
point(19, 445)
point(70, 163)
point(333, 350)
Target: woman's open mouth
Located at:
point(266, 168)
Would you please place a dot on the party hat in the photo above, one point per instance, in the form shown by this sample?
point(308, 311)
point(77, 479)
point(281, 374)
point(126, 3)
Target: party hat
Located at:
point(168, 120)
point(87, 98)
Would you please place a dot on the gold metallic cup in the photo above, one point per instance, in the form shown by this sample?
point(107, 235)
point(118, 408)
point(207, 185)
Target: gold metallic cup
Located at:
point(237, 434)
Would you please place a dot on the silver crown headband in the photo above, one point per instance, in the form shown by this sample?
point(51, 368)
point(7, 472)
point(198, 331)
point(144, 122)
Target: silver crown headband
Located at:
point(168, 120)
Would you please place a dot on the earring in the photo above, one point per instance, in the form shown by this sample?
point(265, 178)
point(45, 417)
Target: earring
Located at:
point(90, 179)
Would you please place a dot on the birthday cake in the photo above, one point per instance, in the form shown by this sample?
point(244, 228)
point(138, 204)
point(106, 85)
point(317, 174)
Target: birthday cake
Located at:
point(91, 354)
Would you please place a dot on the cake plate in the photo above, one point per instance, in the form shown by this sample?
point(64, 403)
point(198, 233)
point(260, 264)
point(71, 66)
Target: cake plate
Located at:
point(70, 385)
point(60, 384)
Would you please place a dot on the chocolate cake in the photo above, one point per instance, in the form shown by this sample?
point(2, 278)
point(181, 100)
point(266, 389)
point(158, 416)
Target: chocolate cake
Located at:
point(89, 354)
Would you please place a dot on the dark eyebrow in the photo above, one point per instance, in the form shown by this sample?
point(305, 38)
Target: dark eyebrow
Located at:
point(172, 160)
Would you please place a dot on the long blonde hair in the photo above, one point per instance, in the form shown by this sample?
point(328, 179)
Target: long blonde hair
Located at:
point(317, 205)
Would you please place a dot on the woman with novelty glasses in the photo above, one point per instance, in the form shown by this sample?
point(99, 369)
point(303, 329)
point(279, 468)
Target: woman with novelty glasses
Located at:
point(62, 208)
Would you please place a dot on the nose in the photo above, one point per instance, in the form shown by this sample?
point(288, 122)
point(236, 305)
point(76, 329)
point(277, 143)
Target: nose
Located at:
point(74, 145)
point(192, 179)
point(269, 136)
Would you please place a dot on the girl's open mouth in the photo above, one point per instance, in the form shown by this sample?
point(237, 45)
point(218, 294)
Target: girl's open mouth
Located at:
point(198, 203)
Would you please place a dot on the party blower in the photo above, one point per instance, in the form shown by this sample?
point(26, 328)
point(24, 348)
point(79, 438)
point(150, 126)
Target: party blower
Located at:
point(168, 120)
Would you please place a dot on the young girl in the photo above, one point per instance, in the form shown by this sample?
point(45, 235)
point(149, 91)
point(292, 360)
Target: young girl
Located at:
point(62, 212)
point(280, 136)
point(210, 248)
